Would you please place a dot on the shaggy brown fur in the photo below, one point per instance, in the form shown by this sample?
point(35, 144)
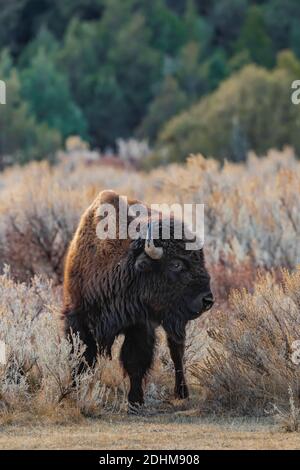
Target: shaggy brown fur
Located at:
point(112, 287)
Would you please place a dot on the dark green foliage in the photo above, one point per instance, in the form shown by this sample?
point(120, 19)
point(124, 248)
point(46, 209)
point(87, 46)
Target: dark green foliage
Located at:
point(21, 136)
point(227, 17)
point(47, 92)
point(106, 69)
point(282, 20)
point(254, 38)
point(252, 110)
point(169, 101)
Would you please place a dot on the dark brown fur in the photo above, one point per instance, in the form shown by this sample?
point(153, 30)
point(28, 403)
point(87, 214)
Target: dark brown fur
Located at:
point(112, 287)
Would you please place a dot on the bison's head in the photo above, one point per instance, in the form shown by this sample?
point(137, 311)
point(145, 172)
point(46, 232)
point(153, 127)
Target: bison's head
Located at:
point(171, 282)
point(149, 277)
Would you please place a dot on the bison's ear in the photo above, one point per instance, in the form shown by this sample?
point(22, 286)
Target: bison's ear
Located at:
point(143, 263)
point(118, 201)
point(109, 197)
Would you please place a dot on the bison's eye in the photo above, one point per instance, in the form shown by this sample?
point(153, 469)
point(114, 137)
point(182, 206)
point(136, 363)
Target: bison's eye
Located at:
point(176, 265)
point(143, 263)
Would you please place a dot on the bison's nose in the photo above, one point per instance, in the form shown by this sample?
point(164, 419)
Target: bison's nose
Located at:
point(208, 301)
point(202, 303)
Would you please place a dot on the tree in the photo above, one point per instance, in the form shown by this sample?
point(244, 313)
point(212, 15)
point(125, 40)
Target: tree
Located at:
point(113, 70)
point(250, 110)
point(254, 38)
point(106, 109)
point(104, 68)
point(137, 67)
point(10, 15)
point(21, 19)
point(227, 16)
point(188, 71)
point(93, 84)
point(170, 100)
point(44, 40)
point(214, 69)
point(287, 60)
point(198, 29)
point(168, 30)
point(295, 36)
point(21, 138)
point(282, 22)
point(47, 92)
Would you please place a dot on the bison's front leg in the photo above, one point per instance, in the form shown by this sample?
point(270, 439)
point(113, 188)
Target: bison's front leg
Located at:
point(74, 323)
point(136, 356)
point(177, 350)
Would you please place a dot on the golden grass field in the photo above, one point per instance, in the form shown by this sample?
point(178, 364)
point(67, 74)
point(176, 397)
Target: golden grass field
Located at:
point(171, 432)
point(170, 425)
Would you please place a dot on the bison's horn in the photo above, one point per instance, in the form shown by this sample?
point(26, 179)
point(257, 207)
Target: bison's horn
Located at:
point(155, 252)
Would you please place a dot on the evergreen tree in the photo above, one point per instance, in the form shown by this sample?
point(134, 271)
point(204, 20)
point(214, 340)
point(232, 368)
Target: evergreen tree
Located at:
point(21, 137)
point(254, 38)
point(250, 110)
point(47, 92)
point(169, 101)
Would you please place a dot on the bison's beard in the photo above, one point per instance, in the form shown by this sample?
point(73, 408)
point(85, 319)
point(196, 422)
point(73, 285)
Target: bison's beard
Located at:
point(174, 324)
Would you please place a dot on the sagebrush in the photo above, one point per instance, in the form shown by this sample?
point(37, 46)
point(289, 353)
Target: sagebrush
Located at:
point(238, 356)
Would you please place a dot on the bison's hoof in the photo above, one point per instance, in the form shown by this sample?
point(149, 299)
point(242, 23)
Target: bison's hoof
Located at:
point(181, 392)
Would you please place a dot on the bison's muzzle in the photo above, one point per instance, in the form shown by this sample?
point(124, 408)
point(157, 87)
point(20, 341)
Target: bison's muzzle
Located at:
point(202, 303)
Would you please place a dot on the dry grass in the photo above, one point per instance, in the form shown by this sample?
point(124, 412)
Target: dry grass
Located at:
point(166, 425)
point(238, 357)
point(40, 362)
point(248, 366)
point(163, 432)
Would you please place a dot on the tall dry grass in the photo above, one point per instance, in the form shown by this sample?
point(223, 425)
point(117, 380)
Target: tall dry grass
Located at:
point(238, 356)
point(249, 365)
point(40, 363)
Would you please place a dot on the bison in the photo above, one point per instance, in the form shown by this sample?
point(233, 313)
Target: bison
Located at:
point(130, 287)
